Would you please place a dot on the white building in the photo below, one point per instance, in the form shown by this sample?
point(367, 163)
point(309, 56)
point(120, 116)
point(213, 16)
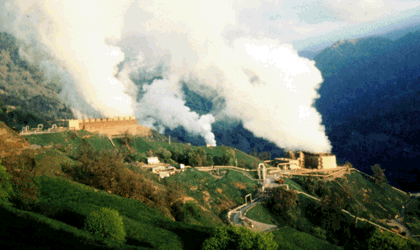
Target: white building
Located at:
point(153, 160)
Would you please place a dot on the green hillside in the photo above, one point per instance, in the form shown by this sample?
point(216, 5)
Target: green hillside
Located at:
point(63, 206)
point(168, 213)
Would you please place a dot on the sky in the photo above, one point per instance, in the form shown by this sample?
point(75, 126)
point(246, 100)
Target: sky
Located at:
point(306, 23)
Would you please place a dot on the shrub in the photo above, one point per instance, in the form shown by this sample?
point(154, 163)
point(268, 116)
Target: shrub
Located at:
point(331, 205)
point(164, 155)
point(6, 188)
point(21, 169)
point(187, 212)
point(106, 171)
point(414, 245)
point(127, 139)
point(319, 233)
point(233, 237)
point(224, 159)
point(378, 174)
point(283, 204)
point(386, 240)
point(106, 224)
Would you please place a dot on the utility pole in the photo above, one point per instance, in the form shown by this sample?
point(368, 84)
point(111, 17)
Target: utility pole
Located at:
point(169, 140)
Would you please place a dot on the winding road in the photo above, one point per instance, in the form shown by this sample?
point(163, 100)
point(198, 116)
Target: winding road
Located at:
point(237, 220)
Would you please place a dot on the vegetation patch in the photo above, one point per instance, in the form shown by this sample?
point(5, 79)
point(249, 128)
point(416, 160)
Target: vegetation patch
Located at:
point(261, 214)
point(292, 238)
point(107, 224)
point(232, 237)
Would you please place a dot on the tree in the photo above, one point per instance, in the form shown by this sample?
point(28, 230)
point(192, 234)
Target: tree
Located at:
point(6, 187)
point(232, 237)
point(378, 174)
point(283, 203)
point(164, 155)
point(193, 158)
point(106, 224)
point(226, 158)
point(386, 240)
point(127, 139)
point(331, 206)
point(24, 179)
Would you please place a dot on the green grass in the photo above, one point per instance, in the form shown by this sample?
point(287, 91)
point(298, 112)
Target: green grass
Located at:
point(289, 238)
point(69, 142)
point(378, 202)
point(412, 217)
point(244, 160)
point(261, 214)
point(217, 195)
point(28, 230)
point(148, 228)
point(293, 185)
point(50, 161)
point(144, 225)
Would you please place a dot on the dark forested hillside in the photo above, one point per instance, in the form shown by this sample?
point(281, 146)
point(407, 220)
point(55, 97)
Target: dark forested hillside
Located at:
point(228, 133)
point(370, 104)
point(25, 96)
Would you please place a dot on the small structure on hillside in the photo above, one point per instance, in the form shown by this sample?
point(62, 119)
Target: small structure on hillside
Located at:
point(317, 160)
point(158, 169)
point(287, 163)
point(302, 159)
point(164, 171)
point(153, 160)
point(164, 174)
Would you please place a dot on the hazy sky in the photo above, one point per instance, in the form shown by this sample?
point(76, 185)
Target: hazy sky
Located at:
point(305, 23)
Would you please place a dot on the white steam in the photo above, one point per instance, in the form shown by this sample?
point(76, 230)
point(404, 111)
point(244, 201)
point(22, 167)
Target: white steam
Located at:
point(264, 82)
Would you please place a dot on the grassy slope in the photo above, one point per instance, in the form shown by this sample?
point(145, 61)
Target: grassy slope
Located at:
point(261, 214)
point(145, 226)
point(69, 142)
point(244, 160)
point(216, 196)
point(412, 217)
point(364, 192)
point(378, 202)
point(299, 240)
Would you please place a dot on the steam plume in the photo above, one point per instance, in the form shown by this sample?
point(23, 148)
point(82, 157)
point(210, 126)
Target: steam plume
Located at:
point(264, 82)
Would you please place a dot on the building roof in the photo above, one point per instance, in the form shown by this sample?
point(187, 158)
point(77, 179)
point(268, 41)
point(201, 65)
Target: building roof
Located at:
point(317, 154)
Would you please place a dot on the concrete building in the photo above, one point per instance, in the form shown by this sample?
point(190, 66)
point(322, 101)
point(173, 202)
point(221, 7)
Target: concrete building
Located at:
point(316, 160)
point(153, 160)
point(287, 164)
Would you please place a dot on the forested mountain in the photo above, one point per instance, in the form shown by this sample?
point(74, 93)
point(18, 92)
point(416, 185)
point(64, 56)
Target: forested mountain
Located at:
point(25, 96)
point(229, 132)
point(370, 104)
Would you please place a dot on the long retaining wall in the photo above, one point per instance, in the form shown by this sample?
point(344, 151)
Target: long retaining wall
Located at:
point(105, 126)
